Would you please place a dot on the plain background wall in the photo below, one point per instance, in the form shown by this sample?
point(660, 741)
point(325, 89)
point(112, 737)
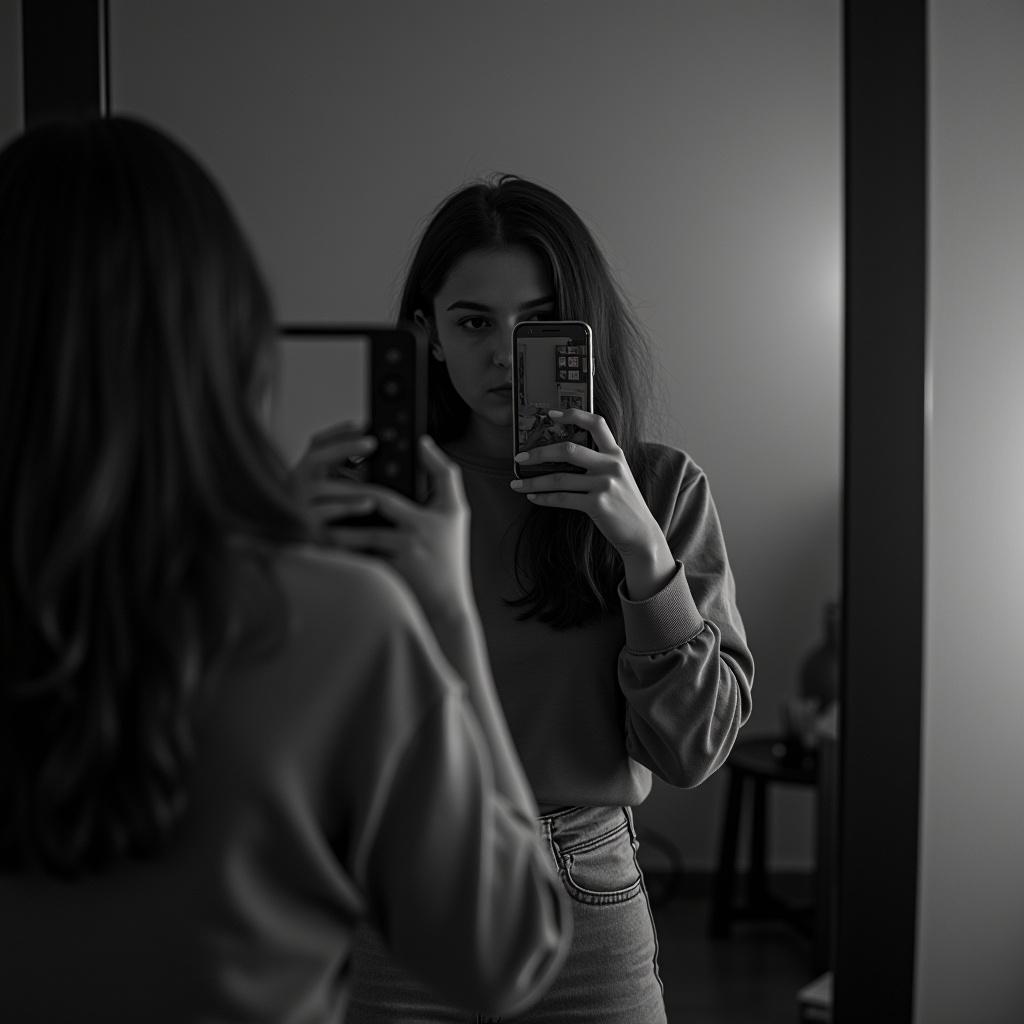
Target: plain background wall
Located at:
point(700, 141)
point(971, 916)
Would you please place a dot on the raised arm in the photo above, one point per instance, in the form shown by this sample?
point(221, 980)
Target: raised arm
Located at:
point(467, 897)
point(463, 889)
point(685, 669)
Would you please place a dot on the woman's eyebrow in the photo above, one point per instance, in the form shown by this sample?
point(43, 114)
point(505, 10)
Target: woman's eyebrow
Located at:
point(479, 307)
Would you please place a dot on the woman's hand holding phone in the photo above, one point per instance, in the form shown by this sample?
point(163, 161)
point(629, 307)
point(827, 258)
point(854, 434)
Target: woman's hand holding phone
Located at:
point(333, 455)
point(428, 544)
point(607, 492)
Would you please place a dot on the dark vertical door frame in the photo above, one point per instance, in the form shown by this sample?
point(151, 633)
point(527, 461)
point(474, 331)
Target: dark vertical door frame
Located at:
point(65, 58)
point(885, 244)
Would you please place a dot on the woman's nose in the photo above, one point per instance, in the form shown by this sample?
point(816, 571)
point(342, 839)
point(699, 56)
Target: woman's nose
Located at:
point(503, 351)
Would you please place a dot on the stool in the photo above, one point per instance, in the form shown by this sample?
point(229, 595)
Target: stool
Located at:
point(756, 763)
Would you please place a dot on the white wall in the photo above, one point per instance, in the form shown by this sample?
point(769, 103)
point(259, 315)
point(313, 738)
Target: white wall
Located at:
point(971, 914)
point(699, 139)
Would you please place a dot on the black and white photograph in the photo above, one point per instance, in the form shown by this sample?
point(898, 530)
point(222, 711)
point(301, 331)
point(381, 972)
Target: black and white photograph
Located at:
point(511, 512)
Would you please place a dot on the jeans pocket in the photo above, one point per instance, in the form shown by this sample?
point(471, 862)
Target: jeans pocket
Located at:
point(603, 869)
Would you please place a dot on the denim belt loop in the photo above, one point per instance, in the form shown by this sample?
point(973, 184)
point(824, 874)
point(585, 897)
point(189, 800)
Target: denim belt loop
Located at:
point(632, 825)
point(547, 833)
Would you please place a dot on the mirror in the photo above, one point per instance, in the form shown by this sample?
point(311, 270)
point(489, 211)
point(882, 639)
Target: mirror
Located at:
point(701, 143)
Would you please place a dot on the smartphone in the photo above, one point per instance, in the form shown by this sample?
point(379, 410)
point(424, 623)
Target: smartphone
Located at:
point(552, 368)
point(371, 375)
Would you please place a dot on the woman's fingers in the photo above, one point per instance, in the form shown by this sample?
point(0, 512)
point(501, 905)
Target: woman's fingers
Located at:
point(342, 504)
point(333, 450)
point(563, 451)
point(326, 454)
point(590, 421)
point(397, 507)
point(426, 543)
point(579, 501)
point(578, 483)
point(444, 476)
point(327, 512)
point(328, 495)
point(336, 432)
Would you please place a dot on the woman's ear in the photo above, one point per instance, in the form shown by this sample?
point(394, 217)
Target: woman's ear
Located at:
point(424, 323)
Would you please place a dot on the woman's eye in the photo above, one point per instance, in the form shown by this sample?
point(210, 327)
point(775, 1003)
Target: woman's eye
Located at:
point(474, 323)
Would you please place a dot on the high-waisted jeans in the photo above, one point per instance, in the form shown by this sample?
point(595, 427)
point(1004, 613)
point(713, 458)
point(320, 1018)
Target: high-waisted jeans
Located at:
point(611, 974)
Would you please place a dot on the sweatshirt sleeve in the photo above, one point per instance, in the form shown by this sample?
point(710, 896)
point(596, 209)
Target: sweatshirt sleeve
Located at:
point(685, 669)
point(469, 901)
point(459, 882)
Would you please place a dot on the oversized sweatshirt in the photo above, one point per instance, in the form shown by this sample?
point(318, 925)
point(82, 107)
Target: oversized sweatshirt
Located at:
point(342, 777)
point(661, 685)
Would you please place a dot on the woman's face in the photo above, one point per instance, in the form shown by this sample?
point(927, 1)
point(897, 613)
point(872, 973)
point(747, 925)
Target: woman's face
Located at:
point(485, 294)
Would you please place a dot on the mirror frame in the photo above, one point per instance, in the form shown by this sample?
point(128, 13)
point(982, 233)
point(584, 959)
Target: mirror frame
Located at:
point(885, 227)
point(884, 51)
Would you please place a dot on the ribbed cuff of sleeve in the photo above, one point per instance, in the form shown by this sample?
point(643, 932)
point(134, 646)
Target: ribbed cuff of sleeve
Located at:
point(665, 620)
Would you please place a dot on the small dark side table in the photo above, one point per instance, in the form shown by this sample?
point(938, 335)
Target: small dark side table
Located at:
point(753, 766)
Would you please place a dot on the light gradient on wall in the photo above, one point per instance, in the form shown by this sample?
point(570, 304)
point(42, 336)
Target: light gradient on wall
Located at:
point(971, 918)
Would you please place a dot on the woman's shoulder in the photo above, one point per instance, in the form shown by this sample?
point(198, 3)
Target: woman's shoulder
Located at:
point(675, 486)
point(332, 595)
point(345, 631)
point(670, 466)
point(313, 567)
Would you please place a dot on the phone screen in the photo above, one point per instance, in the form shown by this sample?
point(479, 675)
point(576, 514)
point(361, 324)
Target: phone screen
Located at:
point(321, 382)
point(551, 373)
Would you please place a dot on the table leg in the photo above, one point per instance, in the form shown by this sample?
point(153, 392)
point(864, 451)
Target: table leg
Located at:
point(725, 876)
point(757, 879)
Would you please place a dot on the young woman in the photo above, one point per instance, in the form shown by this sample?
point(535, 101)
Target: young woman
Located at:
point(606, 596)
point(220, 746)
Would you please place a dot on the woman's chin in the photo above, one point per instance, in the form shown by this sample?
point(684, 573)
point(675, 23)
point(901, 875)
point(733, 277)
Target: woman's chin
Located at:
point(496, 409)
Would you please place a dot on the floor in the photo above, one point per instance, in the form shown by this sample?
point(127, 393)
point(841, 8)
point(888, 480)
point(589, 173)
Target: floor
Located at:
point(750, 978)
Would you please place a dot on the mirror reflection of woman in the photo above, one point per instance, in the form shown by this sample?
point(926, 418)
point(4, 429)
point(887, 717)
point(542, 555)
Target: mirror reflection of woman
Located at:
point(606, 596)
point(221, 745)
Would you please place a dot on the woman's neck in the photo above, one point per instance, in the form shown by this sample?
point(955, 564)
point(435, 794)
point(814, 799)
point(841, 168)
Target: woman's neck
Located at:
point(483, 440)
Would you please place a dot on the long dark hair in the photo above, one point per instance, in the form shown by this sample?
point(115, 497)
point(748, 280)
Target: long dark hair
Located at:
point(135, 351)
point(567, 570)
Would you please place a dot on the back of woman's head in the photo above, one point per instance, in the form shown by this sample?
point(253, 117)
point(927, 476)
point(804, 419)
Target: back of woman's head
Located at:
point(135, 335)
point(569, 571)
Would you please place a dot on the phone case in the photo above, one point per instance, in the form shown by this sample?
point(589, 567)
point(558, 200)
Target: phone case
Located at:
point(553, 368)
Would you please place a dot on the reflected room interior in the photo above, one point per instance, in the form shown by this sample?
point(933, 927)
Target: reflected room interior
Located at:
point(702, 144)
point(711, 146)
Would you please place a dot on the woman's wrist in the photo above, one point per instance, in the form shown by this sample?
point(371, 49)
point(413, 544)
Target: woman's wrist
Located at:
point(648, 568)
